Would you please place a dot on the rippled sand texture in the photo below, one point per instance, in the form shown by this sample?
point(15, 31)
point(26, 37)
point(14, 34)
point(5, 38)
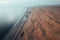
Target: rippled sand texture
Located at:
point(42, 24)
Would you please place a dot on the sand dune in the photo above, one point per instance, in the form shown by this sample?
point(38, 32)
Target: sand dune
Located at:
point(42, 24)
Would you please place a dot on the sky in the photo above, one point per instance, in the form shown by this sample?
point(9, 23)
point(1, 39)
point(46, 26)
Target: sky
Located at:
point(10, 10)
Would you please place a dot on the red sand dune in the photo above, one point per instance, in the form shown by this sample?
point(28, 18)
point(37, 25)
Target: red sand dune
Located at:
point(42, 24)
